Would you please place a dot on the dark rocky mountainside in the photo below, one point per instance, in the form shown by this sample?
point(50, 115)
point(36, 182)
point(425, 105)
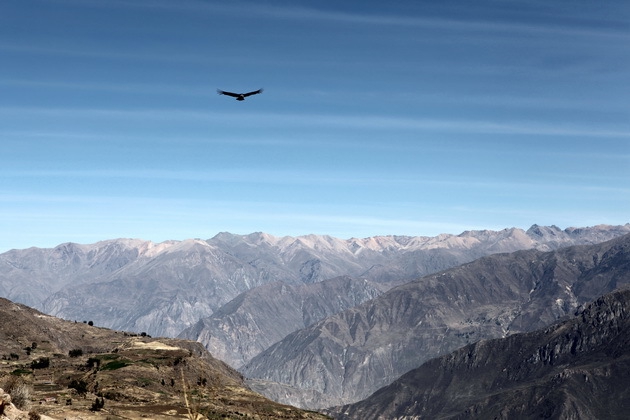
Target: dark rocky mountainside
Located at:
point(576, 369)
point(163, 288)
point(260, 317)
point(346, 357)
point(66, 366)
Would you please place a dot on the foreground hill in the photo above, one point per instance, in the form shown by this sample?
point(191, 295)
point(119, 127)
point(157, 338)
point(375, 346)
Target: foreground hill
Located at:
point(576, 369)
point(69, 366)
point(163, 288)
point(348, 356)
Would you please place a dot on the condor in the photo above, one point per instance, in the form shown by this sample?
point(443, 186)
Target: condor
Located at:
point(239, 96)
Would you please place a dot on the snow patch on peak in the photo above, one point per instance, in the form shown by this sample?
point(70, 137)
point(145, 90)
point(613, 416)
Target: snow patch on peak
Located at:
point(151, 249)
point(261, 237)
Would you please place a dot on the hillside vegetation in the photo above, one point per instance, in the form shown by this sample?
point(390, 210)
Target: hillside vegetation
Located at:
point(73, 370)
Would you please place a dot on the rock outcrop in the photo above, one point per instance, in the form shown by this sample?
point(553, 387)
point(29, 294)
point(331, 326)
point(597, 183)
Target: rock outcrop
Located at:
point(8, 411)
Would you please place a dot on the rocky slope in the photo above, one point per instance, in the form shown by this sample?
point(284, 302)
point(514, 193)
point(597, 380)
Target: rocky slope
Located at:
point(164, 288)
point(8, 410)
point(576, 369)
point(68, 366)
point(260, 317)
point(346, 357)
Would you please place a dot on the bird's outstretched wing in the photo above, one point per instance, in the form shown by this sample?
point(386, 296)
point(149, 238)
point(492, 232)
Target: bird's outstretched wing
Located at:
point(223, 92)
point(253, 93)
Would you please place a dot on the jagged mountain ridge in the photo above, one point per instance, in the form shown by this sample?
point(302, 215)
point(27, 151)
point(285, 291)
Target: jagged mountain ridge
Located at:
point(579, 368)
point(164, 288)
point(31, 275)
point(259, 317)
point(347, 356)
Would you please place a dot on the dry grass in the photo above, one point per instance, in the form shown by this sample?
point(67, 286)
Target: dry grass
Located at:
point(20, 391)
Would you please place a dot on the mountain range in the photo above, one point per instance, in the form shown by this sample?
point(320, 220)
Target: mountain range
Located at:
point(164, 288)
point(575, 369)
point(347, 356)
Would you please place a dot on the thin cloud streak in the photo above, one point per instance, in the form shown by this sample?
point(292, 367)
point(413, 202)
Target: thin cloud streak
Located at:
point(337, 142)
point(111, 55)
point(304, 178)
point(122, 87)
point(256, 10)
point(511, 101)
point(367, 122)
point(453, 25)
point(71, 136)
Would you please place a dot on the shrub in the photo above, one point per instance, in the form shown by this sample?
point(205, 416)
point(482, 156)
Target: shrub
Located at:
point(75, 353)
point(41, 363)
point(98, 404)
point(34, 416)
point(93, 362)
point(79, 385)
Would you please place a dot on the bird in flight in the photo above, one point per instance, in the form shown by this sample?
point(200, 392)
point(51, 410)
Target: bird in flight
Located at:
point(239, 96)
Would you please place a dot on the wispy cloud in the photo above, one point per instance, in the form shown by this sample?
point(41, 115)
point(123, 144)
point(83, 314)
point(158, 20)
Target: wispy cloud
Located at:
point(366, 122)
point(101, 53)
point(155, 89)
point(562, 184)
point(505, 101)
point(466, 25)
point(257, 10)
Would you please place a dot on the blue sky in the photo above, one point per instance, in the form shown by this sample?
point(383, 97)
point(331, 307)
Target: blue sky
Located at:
point(401, 117)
